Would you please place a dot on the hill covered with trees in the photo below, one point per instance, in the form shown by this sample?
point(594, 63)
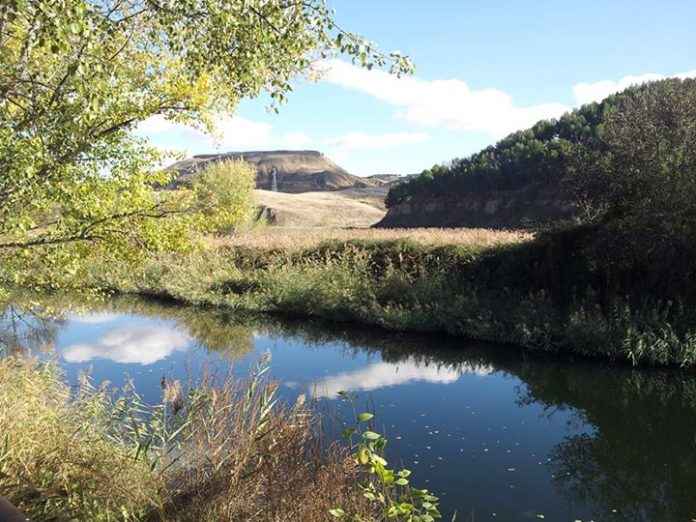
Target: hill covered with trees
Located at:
point(533, 173)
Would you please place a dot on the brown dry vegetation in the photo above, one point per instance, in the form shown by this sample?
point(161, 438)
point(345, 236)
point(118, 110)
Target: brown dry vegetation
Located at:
point(209, 453)
point(296, 239)
point(355, 207)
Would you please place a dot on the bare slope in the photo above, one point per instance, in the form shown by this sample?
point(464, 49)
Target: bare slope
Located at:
point(342, 208)
point(352, 207)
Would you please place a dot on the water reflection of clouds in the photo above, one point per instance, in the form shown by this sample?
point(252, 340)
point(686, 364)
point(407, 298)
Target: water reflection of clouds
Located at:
point(94, 318)
point(382, 374)
point(130, 345)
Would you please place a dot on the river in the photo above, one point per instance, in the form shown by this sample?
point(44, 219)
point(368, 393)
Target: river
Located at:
point(497, 433)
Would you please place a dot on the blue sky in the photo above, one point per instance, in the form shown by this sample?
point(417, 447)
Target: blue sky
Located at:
point(483, 69)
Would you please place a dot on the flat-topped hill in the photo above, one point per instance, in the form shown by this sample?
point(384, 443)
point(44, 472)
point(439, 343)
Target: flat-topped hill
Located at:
point(294, 170)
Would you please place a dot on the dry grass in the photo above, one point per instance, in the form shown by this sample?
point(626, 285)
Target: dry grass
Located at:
point(346, 208)
point(56, 461)
point(211, 452)
point(294, 239)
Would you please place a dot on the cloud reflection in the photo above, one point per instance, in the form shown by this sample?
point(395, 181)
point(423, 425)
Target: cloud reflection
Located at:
point(93, 318)
point(130, 345)
point(381, 375)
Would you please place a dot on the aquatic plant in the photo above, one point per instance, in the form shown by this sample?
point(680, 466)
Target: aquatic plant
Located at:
point(387, 489)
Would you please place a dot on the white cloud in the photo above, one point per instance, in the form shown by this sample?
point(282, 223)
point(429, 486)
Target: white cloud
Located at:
point(597, 91)
point(237, 133)
point(440, 103)
point(452, 104)
point(94, 318)
point(447, 103)
point(384, 374)
point(142, 345)
point(232, 133)
point(361, 140)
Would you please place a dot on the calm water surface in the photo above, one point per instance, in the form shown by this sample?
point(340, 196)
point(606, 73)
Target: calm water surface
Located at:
point(499, 435)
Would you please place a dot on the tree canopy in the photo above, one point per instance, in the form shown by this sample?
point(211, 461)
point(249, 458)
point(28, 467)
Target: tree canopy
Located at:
point(77, 76)
point(605, 134)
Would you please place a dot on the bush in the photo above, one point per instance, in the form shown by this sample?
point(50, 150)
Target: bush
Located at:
point(224, 194)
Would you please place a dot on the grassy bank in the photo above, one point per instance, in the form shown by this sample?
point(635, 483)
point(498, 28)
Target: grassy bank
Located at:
point(566, 291)
point(563, 292)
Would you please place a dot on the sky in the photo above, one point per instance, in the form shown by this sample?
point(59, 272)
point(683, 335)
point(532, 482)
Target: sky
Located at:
point(484, 68)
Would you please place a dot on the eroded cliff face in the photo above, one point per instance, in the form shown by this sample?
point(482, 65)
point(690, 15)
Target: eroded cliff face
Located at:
point(522, 208)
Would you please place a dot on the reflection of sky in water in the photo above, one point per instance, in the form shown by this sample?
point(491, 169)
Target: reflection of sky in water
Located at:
point(460, 426)
point(122, 347)
point(380, 375)
point(130, 345)
point(457, 426)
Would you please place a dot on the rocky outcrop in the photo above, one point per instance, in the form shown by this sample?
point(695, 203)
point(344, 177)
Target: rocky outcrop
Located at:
point(294, 171)
point(523, 208)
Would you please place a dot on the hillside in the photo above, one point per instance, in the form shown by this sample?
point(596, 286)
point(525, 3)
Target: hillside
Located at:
point(515, 183)
point(353, 207)
point(295, 171)
point(310, 189)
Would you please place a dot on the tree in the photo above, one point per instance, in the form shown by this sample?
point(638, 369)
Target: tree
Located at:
point(641, 165)
point(634, 148)
point(76, 77)
point(636, 182)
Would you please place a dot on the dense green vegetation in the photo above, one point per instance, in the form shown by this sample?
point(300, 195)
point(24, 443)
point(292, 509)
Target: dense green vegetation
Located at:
point(545, 153)
point(627, 262)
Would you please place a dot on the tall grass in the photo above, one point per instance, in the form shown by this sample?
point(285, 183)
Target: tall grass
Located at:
point(296, 239)
point(210, 452)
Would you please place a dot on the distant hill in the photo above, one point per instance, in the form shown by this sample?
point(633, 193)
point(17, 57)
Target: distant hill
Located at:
point(295, 171)
point(390, 179)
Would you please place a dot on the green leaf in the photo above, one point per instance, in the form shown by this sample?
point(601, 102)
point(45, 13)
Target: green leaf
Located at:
point(363, 455)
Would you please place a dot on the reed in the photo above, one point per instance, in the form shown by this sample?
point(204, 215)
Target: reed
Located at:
point(219, 450)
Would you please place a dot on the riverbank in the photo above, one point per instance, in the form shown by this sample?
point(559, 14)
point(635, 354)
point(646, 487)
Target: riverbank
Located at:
point(553, 293)
point(214, 451)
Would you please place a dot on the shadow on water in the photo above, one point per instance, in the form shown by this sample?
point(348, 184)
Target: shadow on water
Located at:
point(637, 463)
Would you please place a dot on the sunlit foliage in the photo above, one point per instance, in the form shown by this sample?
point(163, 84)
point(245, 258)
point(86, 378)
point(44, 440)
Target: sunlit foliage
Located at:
point(78, 76)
